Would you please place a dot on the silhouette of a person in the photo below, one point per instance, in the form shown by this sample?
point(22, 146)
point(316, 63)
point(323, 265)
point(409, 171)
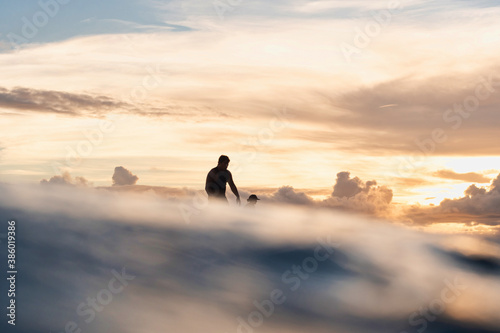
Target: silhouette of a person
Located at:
point(252, 201)
point(215, 185)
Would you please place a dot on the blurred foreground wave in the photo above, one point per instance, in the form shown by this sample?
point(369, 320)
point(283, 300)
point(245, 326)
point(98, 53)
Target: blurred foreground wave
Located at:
point(94, 261)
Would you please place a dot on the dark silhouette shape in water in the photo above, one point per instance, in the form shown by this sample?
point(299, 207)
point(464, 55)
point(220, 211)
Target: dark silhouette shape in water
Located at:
point(252, 201)
point(215, 185)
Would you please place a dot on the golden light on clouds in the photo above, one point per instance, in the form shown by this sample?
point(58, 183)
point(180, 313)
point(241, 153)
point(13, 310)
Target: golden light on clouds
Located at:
point(180, 97)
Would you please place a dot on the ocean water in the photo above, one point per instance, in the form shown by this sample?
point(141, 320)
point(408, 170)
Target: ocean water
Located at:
point(89, 260)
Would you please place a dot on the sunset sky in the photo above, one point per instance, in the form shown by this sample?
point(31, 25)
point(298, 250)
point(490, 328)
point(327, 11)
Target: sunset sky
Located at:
point(406, 93)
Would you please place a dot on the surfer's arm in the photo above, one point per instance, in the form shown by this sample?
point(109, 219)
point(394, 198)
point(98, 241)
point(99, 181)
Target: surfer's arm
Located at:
point(233, 188)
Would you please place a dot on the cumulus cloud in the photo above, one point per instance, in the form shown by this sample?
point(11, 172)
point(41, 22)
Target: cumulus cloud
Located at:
point(123, 177)
point(28, 99)
point(346, 186)
point(356, 195)
point(476, 200)
point(350, 194)
point(466, 177)
point(479, 204)
point(65, 179)
point(287, 194)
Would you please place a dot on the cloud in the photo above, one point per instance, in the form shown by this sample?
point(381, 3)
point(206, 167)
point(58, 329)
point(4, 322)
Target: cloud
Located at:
point(283, 72)
point(347, 187)
point(355, 195)
point(350, 194)
point(94, 105)
point(288, 195)
point(445, 102)
point(59, 102)
point(66, 179)
point(478, 205)
point(466, 177)
point(351, 103)
point(477, 201)
point(122, 177)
